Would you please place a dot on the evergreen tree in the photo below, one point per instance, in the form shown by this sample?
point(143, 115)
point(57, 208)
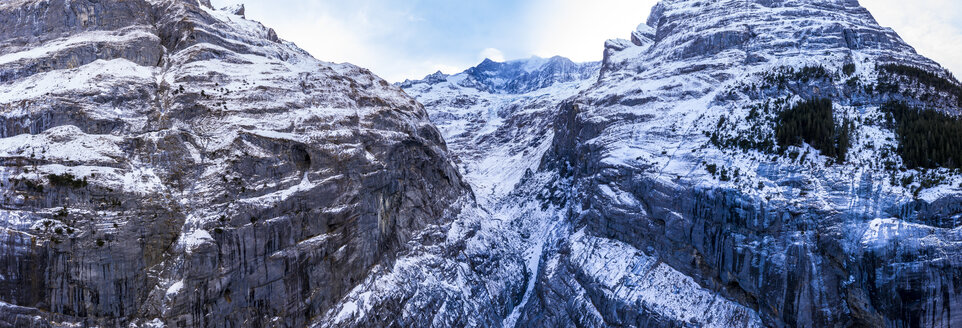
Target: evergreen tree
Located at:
point(927, 138)
point(813, 122)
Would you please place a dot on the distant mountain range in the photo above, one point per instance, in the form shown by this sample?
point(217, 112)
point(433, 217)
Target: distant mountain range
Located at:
point(517, 76)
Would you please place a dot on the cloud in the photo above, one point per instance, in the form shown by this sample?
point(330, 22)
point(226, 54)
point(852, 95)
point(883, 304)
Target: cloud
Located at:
point(933, 27)
point(395, 39)
point(492, 54)
point(410, 39)
point(577, 29)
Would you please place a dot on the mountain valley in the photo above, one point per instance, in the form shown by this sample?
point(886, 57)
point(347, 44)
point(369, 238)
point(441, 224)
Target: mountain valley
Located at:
point(731, 163)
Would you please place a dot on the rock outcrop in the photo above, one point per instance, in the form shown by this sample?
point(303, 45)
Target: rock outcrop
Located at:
point(663, 199)
point(666, 157)
point(165, 163)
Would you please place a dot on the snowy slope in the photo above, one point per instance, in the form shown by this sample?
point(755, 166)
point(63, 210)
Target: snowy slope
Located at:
point(496, 117)
point(660, 156)
point(164, 163)
point(662, 163)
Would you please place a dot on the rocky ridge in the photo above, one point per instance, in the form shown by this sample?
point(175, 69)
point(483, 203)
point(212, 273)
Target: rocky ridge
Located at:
point(663, 200)
point(666, 155)
point(164, 163)
point(168, 164)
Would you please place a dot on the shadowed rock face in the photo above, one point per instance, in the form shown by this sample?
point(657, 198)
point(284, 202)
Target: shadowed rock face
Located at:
point(162, 162)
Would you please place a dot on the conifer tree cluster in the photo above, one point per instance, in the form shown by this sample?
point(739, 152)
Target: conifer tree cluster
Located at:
point(781, 77)
point(848, 69)
point(927, 138)
point(812, 122)
point(888, 83)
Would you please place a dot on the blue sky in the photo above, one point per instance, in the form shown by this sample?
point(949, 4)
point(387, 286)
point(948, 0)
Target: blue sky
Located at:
point(399, 39)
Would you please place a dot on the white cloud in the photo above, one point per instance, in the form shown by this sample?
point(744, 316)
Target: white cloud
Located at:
point(577, 29)
point(397, 40)
point(933, 27)
point(349, 32)
point(317, 29)
point(339, 43)
point(492, 54)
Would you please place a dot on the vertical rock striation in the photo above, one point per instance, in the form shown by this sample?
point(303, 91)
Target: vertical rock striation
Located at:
point(165, 163)
point(665, 156)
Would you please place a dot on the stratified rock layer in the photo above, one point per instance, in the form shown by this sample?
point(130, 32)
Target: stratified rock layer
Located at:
point(662, 200)
point(666, 154)
point(163, 163)
point(166, 163)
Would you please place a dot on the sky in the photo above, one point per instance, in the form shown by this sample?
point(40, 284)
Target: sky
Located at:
point(408, 39)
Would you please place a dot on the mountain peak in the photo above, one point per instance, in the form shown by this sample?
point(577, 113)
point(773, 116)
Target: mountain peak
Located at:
point(525, 75)
point(237, 9)
point(746, 163)
point(733, 32)
point(704, 106)
point(514, 76)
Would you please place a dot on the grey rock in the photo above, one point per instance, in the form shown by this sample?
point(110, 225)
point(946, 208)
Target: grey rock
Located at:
point(162, 164)
point(813, 247)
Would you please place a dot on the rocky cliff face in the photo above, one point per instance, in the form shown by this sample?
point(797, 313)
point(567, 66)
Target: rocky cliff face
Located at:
point(662, 199)
point(665, 158)
point(167, 164)
point(163, 163)
point(499, 140)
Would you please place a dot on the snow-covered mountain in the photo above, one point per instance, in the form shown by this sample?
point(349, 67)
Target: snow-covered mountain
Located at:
point(497, 117)
point(667, 197)
point(734, 163)
point(163, 163)
point(516, 76)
